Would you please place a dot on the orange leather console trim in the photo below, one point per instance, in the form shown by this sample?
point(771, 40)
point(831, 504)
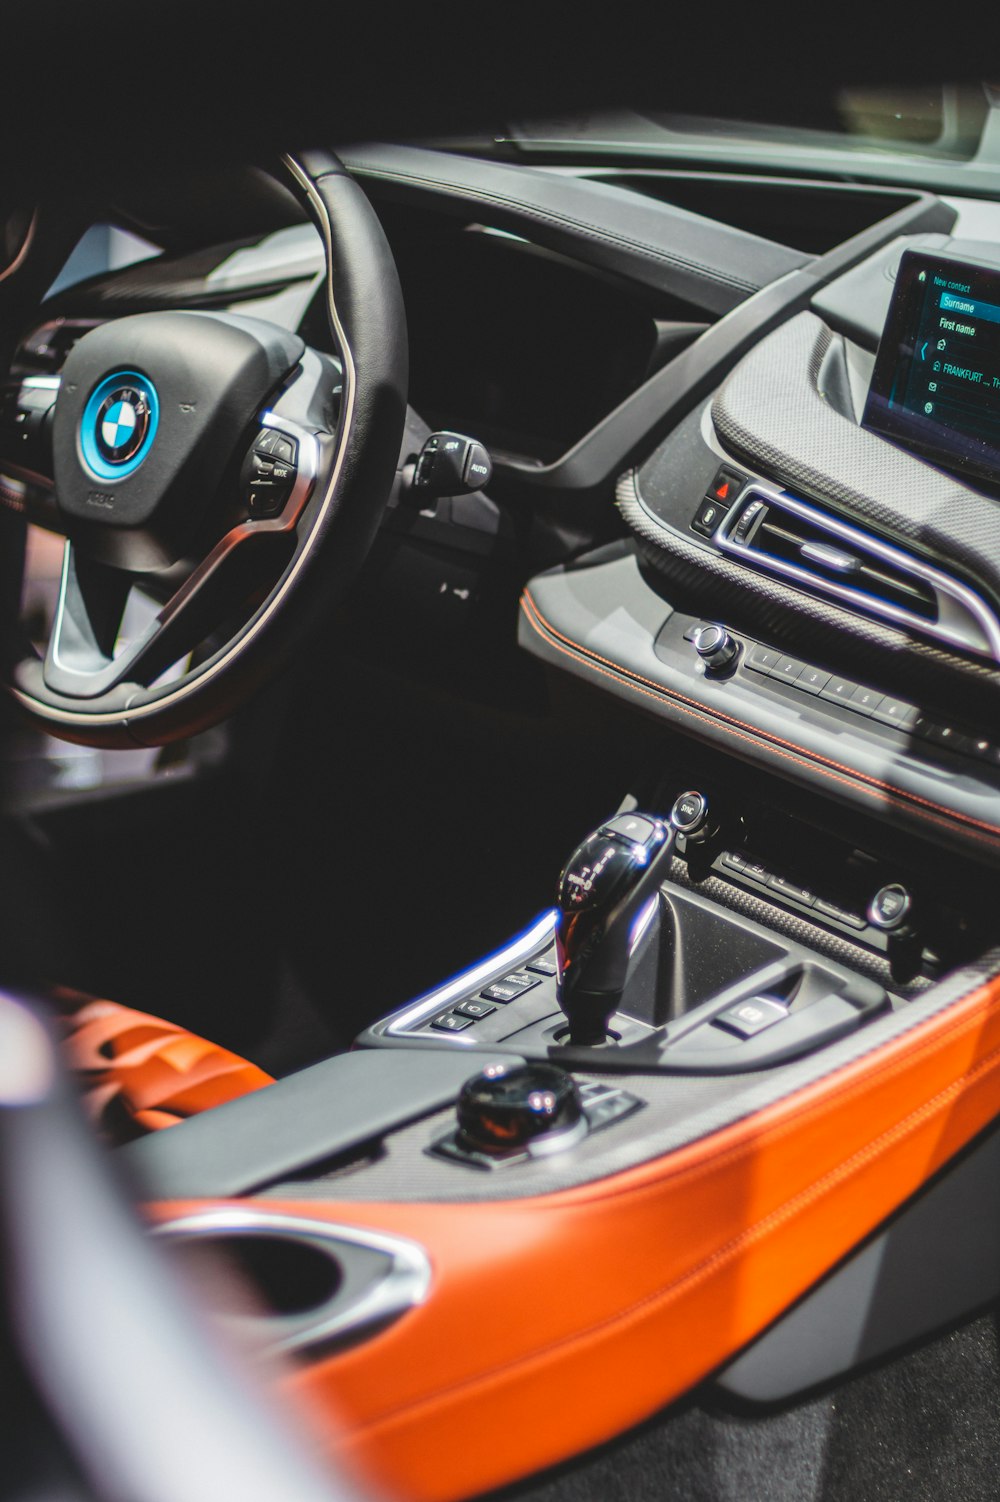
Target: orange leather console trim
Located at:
point(788, 750)
point(144, 1070)
point(557, 1322)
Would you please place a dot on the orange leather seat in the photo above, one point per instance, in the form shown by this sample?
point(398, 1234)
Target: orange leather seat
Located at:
point(140, 1073)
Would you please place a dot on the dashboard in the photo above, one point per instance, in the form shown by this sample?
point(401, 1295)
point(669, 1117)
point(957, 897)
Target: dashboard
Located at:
point(682, 388)
point(681, 384)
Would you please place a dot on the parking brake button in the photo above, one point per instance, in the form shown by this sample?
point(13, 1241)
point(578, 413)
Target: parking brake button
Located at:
point(748, 1018)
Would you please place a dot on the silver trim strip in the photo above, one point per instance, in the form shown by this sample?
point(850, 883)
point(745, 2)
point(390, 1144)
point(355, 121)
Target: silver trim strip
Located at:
point(405, 1284)
point(102, 678)
point(519, 950)
point(964, 618)
point(560, 1142)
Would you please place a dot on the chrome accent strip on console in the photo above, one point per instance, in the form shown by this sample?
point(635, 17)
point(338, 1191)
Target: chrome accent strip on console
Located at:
point(517, 952)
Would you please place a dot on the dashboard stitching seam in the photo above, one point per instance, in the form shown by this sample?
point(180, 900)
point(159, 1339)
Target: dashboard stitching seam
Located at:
point(592, 231)
point(860, 780)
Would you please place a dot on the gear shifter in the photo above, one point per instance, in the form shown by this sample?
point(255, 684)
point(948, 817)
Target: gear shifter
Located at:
point(602, 889)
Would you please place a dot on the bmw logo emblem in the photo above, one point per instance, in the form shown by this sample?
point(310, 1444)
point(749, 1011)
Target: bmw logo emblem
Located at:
point(119, 423)
point(122, 424)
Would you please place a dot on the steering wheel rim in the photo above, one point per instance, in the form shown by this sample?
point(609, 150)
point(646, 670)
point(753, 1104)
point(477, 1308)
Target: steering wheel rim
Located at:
point(314, 545)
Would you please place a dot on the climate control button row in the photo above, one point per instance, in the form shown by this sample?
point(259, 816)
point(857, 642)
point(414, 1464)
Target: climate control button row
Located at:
point(870, 703)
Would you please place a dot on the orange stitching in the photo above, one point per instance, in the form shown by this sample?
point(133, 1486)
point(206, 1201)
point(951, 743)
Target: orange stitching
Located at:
point(858, 781)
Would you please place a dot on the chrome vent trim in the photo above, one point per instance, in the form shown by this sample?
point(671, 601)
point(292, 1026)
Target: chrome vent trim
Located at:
point(963, 618)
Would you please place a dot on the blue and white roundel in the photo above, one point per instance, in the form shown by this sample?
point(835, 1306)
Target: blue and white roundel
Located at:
point(124, 422)
point(118, 425)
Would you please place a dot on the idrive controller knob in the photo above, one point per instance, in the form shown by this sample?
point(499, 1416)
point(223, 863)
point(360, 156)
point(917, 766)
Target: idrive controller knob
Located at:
point(602, 888)
point(527, 1106)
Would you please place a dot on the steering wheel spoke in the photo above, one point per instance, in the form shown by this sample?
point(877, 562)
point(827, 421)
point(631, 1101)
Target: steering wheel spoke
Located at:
point(85, 658)
point(92, 599)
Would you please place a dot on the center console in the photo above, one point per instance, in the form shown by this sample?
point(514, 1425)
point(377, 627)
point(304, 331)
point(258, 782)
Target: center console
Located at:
point(716, 943)
point(701, 990)
point(748, 1060)
point(676, 1103)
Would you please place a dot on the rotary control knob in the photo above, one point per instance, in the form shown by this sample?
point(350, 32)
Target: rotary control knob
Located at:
point(531, 1108)
point(689, 815)
point(891, 909)
point(715, 647)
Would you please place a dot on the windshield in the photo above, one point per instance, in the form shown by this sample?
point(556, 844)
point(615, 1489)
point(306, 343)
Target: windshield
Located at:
point(944, 121)
point(944, 137)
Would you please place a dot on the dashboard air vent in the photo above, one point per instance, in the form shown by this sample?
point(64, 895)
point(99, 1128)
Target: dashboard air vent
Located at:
point(775, 531)
point(780, 534)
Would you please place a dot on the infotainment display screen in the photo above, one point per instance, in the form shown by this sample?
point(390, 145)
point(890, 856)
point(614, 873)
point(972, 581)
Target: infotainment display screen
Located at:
point(936, 384)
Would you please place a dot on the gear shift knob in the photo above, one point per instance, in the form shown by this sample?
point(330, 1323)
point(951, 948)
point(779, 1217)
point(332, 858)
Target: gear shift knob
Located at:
point(602, 888)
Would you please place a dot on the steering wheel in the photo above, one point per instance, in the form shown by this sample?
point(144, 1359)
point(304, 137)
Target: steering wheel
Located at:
point(240, 472)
